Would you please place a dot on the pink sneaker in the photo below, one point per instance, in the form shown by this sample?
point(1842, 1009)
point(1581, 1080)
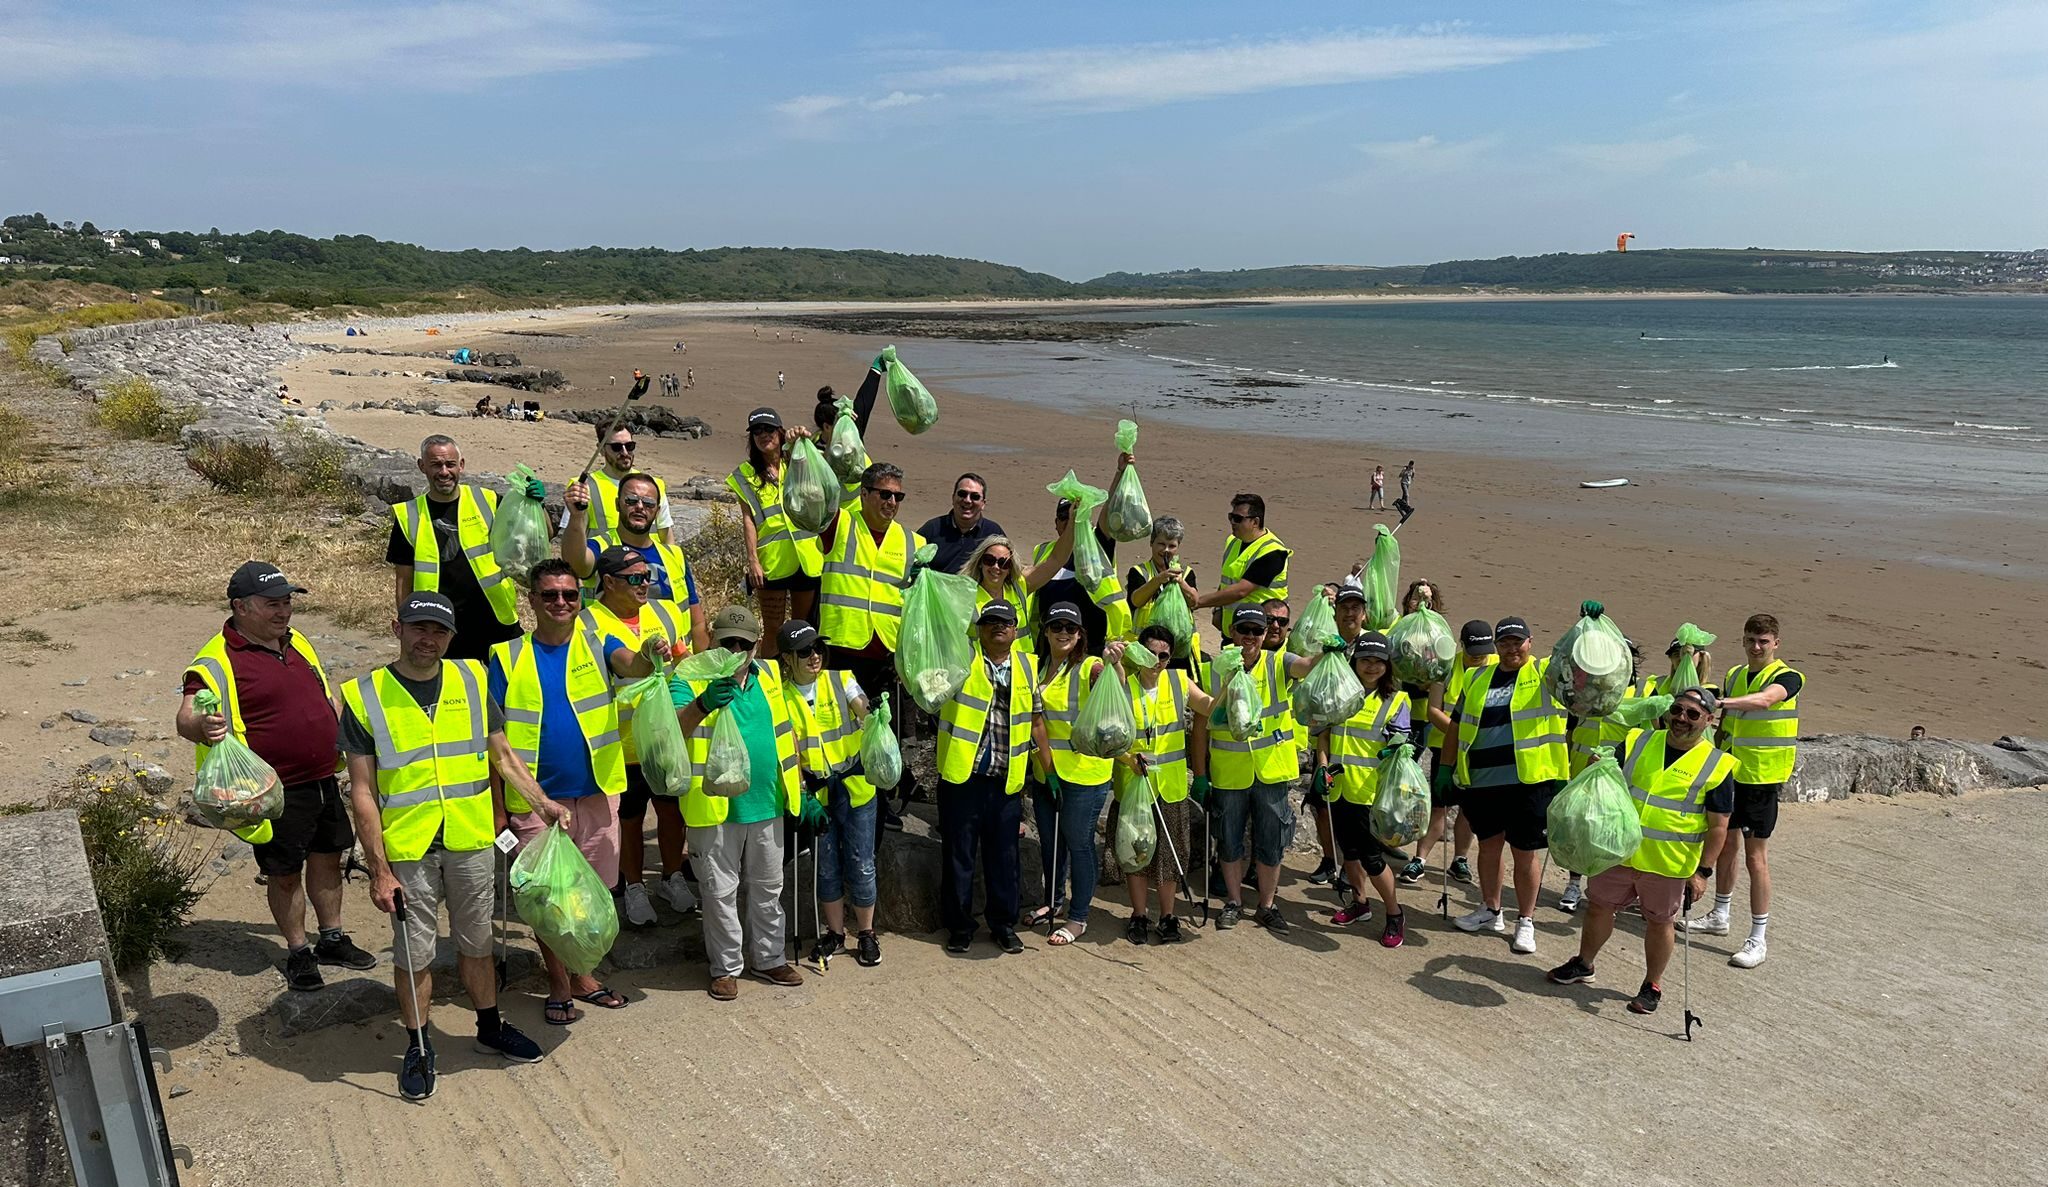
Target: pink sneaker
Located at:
point(1357, 912)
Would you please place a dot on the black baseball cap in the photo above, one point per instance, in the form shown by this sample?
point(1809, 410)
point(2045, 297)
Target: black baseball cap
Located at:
point(1702, 696)
point(1371, 645)
point(1511, 627)
point(1350, 593)
point(763, 418)
point(261, 579)
point(1476, 637)
point(428, 607)
point(1064, 612)
point(1248, 616)
point(796, 634)
point(617, 559)
point(997, 614)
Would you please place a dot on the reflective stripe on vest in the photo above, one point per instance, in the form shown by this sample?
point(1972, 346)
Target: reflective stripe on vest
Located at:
point(433, 774)
point(1763, 741)
point(1062, 696)
point(590, 696)
point(781, 547)
point(703, 811)
point(1536, 726)
point(1669, 801)
point(860, 592)
point(1355, 749)
point(1231, 762)
point(1238, 556)
point(964, 719)
point(604, 499)
point(828, 738)
point(475, 512)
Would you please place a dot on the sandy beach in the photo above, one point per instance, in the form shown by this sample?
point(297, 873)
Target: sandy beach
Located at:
point(1889, 640)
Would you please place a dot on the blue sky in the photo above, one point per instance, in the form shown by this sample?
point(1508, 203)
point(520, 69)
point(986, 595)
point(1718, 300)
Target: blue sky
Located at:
point(1072, 138)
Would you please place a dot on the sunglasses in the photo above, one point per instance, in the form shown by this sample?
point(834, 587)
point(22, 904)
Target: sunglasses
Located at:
point(1000, 562)
point(1236, 518)
point(1248, 631)
point(1061, 628)
point(1278, 624)
point(968, 496)
point(887, 496)
point(638, 501)
point(634, 578)
point(808, 652)
point(736, 646)
point(622, 446)
point(1687, 715)
point(559, 595)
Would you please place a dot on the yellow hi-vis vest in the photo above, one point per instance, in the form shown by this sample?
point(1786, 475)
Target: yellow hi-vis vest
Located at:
point(703, 811)
point(1538, 725)
point(1763, 741)
point(1019, 600)
point(1355, 748)
point(478, 508)
point(1062, 694)
point(1454, 691)
point(1237, 557)
point(1595, 736)
point(666, 619)
point(1670, 801)
point(673, 561)
point(1162, 717)
point(1274, 756)
point(964, 719)
point(604, 501)
point(1108, 596)
point(860, 593)
point(781, 545)
point(590, 694)
point(217, 672)
point(433, 774)
point(827, 736)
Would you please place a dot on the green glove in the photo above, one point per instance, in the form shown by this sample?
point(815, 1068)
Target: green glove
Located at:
point(536, 489)
point(1200, 791)
point(718, 694)
point(813, 814)
point(1440, 780)
point(1052, 784)
point(1337, 648)
point(1591, 609)
point(1319, 782)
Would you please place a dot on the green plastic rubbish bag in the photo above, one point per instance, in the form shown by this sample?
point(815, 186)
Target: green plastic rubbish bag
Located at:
point(881, 759)
point(657, 736)
point(1329, 695)
point(1127, 516)
point(1383, 580)
point(1137, 833)
point(1593, 822)
point(1424, 648)
point(1170, 613)
point(936, 644)
point(563, 900)
point(1105, 726)
point(1090, 564)
point(519, 530)
point(1687, 675)
point(234, 788)
point(1139, 658)
point(1590, 667)
point(1315, 628)
point(914, 407)
point(1400, 806)
point(1237, 698)
point(844, 449)
point(810, 487)
point(728, 769)
point(1639, 712)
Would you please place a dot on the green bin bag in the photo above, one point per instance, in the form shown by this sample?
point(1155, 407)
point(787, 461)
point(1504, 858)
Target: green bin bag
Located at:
point(1105, 727)
point(810, 487)
point(881, 759)
point(914, 407)
point(1383, 580)
point(1127, 516)
point(1593, 822)
point(1424, 648)
point(233, 788)
point(563, 900)
point(936, 643)
point(1137, 833)
point(519, 530)
point(1400, 806)
point(657, 736)
point(844, 449)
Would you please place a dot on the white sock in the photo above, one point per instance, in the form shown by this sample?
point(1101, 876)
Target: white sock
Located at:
point(1757, 924)
point(1722, 904)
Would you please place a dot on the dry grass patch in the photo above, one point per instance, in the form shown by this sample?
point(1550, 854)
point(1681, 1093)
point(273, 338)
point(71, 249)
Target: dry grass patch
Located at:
point(134, 408)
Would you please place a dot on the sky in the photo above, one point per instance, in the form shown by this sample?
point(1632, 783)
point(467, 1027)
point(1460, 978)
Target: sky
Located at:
point(1075, 139)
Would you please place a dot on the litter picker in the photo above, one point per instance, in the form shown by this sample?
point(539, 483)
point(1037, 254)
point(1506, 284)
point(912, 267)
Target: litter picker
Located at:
point(412, 987)
point(1406, 509)
point(633, 393)
point(1685, 966)
point(1443, 900)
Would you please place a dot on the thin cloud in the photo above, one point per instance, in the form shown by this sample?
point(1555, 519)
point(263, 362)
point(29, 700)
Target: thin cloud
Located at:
point(1632, 156)
point(810, 107)
point(1426, 155)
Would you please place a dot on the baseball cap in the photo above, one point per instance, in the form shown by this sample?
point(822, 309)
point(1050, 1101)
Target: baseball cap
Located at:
point(796, 634)
point(1371, 645)
point(735, 622)
point(999, 614)
point(1248, 616)
point(1476, 637)
point(428, 607)
point(1702, 696)
point(1064, 612)
point(617, 559)
point(1349, 593)
point(763, 418)
point(261, 579)
point(1511, 627)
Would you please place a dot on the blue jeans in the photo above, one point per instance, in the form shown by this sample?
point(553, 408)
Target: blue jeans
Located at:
point(1264, 806)
point(1073, 855)
point(846, 856)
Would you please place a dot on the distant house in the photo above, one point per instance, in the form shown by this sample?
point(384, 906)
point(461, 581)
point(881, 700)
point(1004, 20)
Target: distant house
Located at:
point(154, 245)
point(234, 259)
point(112, 239)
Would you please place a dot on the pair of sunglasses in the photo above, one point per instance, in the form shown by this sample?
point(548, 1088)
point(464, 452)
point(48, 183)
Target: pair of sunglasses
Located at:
point(559, 595)
point(634, 578)
point(808, 652)
point(887, 496)
point(622, 446)
point(1000, 562)
point(638, 501)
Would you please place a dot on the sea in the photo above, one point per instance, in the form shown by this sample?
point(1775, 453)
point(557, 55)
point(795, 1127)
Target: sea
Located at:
point(1906, 396)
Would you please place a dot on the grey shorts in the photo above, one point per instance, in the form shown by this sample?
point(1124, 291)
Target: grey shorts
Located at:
point(1271, 815)
point(466, 883)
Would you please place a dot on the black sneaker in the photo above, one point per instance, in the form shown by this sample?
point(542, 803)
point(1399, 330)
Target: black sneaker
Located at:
point(1169, 929)
point(1325, 871)
point(867, 950)
point(1138, 930)
point(1461, 870)
point(827, 946)
point(302, 971)
point(891, 820)
point(1009, 941)
point(1411, 873)
point(959, 941)
point(1272, 920)
point(1646, 999)
point(510, 1043)
point(1228, 920)
point(1573, 972)
point(343, 953)
point(416, 1077)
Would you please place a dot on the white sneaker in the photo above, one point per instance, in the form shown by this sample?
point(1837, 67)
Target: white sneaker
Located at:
point(1525, 936)
point(1482, 919)
point(639, 911)
point(1751, 955)
point(676, 889)
point(1712, 923)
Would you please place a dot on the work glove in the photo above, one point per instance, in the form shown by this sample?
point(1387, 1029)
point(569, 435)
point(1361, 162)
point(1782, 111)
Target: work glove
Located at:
point(1319, 783)
point(1052, 784)
point(1200, 791)
point(1337, 648)
point(813, 814)
point(536, 489)
point(1591, 609)
point(718, 694)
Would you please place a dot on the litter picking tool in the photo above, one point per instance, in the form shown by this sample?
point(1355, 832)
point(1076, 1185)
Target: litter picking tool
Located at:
point(502, 876)
point(1052, 888)
point(412, 987)
point(1685, 966)
point(1172, 851)
point(633, 393)
point(1406, 509)
point(1443, 900)
point(1208, 862)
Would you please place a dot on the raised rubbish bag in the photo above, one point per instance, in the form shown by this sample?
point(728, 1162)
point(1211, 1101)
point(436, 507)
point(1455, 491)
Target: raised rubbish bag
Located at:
point(1127, 516)
point(1237, 697)
point(935, 645)
point(1691, 640)
point(1090, 564)
point(1170, 613)
point(810, 487)
point(1593, 822)
point(728, 771)
point(913, 406)
point(844, 449)
point(1105, 726)
point(657, 736)
point(707, 665)
point(881, 759)
point(1137, 833)
point(1638, 712)
point(519, 530)
point(1316, 626)
point(563, 900)
point(1590, 666)
point(1400, 806)
point(1383, 580)
point(234, 788)
point(1329, 695)
point(1424, 648)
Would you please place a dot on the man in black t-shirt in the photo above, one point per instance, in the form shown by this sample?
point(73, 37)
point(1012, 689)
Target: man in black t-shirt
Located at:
point(957, 532)
point(478, 624)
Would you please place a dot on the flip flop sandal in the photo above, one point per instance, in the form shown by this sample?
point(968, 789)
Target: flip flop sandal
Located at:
point(603, 998)
point(560, 1013)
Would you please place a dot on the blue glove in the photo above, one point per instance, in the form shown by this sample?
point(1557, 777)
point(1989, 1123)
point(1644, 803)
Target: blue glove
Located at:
point(718, 694)
point(813, 814)
point(536, 490)
point(1591, 609)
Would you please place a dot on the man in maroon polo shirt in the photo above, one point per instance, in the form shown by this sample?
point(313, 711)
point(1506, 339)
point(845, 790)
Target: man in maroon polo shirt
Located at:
point(275, 699)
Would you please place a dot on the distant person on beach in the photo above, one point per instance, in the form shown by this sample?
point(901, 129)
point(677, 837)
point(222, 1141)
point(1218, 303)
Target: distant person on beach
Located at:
point(1378, 502)
point(778, 381)
point(689, 377)
point(1407, 479)
point(611, 381)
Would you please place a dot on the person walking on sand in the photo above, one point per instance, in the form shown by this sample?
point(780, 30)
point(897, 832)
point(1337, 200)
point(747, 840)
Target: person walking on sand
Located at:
point(1161, 701)
point(778, 381)
point(1760, 727)
point(1378, 501)
point(827, 709)
point(611, 381)
point(563, 724)
point(738, 839)
point(422, 742)
point(275, 699)
point(1684, 790)
point(441, 543)
point(689, 377)
point(783, 563)
point(1254, 568)
point(1070, 798)
point(1407, 478)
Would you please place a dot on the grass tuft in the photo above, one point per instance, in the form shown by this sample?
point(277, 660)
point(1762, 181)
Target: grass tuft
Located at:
point(135, 408)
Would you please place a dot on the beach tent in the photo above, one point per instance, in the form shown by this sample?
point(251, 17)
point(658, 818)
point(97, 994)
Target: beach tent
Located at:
point(351, 331)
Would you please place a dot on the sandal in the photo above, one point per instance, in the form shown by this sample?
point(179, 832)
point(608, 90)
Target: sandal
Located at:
point(560, 1013)
point(603, 998)
point(1068, 934)
point(1038, 917)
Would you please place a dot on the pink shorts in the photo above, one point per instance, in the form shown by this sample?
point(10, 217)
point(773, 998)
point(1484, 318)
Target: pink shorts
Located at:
point(593, 825)
point(1662, 898)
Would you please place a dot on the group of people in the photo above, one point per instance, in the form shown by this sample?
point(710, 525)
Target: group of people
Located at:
point(673, 384)
point(480, 728)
